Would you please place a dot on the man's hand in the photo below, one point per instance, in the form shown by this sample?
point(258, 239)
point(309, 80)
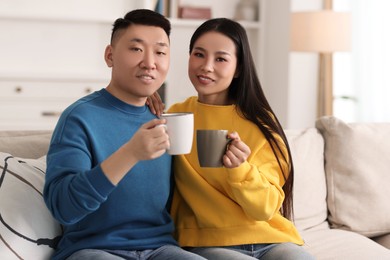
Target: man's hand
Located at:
point(150, 141)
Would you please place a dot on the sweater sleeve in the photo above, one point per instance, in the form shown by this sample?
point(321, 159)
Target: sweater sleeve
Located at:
point(257, 184)
point(75, 186)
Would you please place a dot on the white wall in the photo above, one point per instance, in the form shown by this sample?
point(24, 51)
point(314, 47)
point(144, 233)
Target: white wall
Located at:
point(275, 80)
point(303, 78)
point(290, 79)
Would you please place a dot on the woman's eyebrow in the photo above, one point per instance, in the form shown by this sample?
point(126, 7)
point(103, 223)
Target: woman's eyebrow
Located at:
point(223, 53)
point(199, 49)
point(218, 52)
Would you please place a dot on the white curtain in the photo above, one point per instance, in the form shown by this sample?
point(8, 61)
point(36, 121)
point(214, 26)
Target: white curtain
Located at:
point(362, 77)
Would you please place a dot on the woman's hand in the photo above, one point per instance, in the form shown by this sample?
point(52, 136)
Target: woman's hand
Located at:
point(236, 153)
point(155, 104)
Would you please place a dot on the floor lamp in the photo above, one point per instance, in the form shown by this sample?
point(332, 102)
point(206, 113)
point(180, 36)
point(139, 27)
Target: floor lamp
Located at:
point(323, 32)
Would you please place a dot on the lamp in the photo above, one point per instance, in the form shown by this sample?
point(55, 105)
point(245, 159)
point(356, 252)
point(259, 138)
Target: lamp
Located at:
point(324, 32)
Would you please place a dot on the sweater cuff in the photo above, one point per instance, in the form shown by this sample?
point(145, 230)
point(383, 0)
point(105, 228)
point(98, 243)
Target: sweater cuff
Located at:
point(239, 174)
point(100, 182)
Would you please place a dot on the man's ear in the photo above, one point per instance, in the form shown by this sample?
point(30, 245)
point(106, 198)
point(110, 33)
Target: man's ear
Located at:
point(108, 56)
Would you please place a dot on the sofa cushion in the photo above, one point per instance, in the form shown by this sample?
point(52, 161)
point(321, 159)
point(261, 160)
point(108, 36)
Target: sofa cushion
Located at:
point(358, 175)
point(27, 229)
point(25, 144)
point(307, 148)
point(336, 244)
point(383, 240)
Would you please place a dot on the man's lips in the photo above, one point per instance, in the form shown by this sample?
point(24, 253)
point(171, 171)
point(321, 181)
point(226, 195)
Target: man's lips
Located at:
point(146, 77)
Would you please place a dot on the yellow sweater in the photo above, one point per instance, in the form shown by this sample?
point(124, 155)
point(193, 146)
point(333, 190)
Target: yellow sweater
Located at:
point(220, 206)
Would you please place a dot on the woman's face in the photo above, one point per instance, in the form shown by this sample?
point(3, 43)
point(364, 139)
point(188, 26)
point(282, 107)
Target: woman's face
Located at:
point(212, 66)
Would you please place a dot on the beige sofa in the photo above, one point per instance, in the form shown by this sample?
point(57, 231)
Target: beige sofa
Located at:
point(341, 192)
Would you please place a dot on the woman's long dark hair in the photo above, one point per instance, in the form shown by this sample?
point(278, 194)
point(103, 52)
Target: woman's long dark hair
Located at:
point(248, 95)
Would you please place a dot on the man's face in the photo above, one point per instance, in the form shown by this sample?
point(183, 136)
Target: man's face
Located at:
point(139, 57)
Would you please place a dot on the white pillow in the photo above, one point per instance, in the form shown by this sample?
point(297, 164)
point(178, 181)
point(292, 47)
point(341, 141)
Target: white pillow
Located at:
point(26, 225)
point(357, 169)
point(307, 149)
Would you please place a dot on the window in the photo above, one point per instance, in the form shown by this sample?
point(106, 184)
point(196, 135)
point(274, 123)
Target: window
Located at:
point(362, 76)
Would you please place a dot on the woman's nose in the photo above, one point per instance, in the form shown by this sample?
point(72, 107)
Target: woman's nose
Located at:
point(208, 65)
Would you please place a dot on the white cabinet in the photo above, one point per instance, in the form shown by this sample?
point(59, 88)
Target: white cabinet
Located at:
point(51, 54)
point(37, 105)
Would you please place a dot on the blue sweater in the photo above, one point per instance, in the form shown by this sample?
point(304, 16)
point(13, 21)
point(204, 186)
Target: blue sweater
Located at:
point(95, 213)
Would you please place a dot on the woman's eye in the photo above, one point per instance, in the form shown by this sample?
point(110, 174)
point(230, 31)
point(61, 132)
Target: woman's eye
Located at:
point(220, 59)
point(198, 54)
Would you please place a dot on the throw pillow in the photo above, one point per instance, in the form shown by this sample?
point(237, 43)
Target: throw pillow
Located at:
point(307, 149)
point(358, 175)
point(27, 229)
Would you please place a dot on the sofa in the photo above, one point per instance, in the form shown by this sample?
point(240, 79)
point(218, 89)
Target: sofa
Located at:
point(341, 192)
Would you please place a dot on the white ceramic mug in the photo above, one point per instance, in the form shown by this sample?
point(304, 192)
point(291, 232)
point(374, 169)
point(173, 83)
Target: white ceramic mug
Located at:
point(211, 146)
point(180, 128)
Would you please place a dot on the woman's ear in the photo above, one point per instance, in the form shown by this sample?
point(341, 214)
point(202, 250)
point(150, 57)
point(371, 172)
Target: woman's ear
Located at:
point(108, 56)
point(237, 73)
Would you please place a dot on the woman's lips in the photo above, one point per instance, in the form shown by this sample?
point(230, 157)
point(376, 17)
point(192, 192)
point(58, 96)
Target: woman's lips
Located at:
point(205, 80)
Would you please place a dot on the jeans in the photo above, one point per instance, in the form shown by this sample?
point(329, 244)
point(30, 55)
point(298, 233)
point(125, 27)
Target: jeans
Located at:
point(162, 253)
point(282, 251)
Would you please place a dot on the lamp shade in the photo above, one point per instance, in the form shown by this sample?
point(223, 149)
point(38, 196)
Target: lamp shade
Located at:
point(320, 31)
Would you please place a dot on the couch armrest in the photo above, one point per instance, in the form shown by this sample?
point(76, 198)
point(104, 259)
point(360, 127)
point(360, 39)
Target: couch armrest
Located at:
point(26, 144)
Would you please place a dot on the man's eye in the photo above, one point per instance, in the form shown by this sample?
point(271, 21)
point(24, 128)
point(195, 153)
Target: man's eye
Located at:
point(161, 53)
point(135, 49)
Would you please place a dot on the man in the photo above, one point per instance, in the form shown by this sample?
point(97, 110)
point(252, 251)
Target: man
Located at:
point(108, 176)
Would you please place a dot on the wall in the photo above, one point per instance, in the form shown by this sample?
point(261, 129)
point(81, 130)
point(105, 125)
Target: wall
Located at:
point(275, 80)
point(290, 78)
point(303, 78)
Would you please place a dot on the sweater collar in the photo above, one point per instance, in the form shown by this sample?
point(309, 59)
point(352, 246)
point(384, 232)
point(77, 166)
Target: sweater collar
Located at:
point(213, 107)
point(120, 105)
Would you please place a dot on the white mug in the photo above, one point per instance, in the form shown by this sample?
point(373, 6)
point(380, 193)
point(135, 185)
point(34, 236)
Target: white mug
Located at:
point(180, 129)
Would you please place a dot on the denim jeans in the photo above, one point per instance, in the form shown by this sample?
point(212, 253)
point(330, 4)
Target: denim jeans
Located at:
point(162, 253)
point(282, 251)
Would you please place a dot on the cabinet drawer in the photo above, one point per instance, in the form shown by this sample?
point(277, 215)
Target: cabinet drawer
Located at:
point(37, 105)
point(31, 115)
point(20, 89)
point(36, 110)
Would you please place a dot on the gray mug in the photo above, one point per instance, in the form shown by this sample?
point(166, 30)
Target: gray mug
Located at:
point(211, 145)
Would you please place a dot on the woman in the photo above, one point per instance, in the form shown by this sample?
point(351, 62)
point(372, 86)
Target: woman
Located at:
point(244, 209)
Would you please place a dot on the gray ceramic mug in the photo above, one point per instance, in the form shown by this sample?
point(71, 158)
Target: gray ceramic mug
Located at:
point(211, 145)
